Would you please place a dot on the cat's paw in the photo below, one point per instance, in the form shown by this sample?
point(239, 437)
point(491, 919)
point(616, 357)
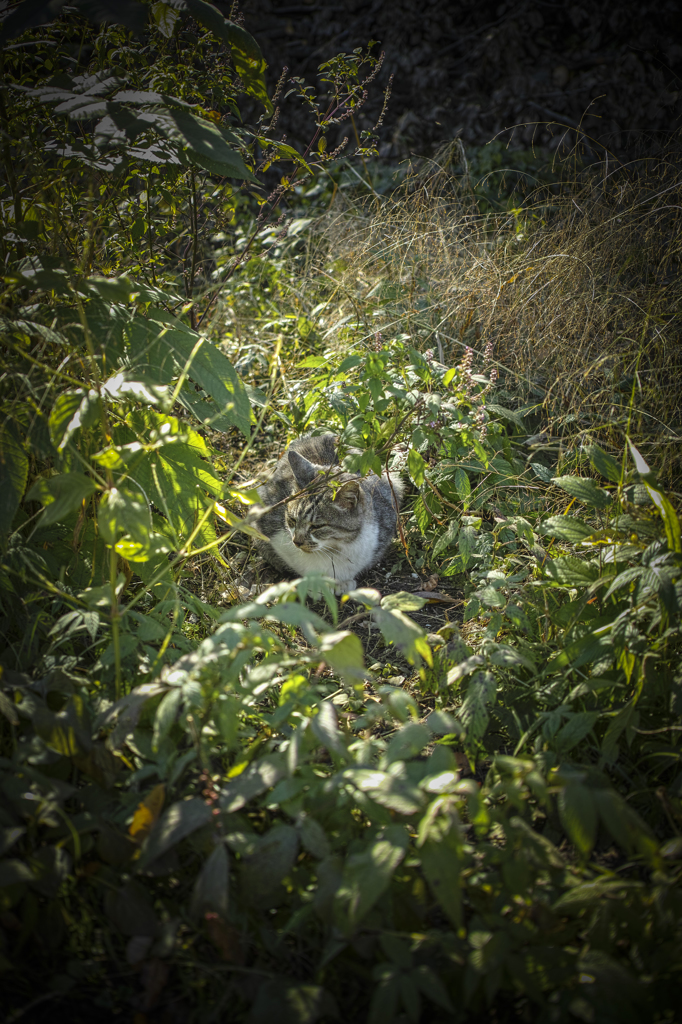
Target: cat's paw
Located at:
point(345, 586)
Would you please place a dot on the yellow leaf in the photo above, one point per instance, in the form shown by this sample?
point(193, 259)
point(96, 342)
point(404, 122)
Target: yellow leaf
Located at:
point(147, 812)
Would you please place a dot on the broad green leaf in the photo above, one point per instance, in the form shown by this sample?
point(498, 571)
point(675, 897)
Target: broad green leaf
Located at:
point(447, 538)
point(313, 838)
point(211, 889)
point(254, 780)
point(205, 144)
point(442, 866)
point(624, 824)
point(407, 743)
point(64, 417)
point(584, 489)
point(263, 870)
point(344, 654)
point(570, 571)
point(166, 714)
point(175, 824)
point(575, 730)
point(390, 791)
point(170, 350)
point(668, 515)
point(565, 528)
point(325, 727)
point(61, 495)
point(165, 18)
point(366, 876)
point(416, 467)
point(578, 815)
point(462, 486)
point(122, 511)
point(466, 544)
point(604, 464)
point(474, 714)
point(403, 601)
point(13, 474)
point(407, 636)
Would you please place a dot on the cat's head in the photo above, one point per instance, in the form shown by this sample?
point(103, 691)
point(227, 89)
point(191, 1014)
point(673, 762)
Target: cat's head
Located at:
point(329, 514)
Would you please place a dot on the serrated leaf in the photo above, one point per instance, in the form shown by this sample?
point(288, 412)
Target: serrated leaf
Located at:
point(604, 464)
point(584, 489)
point(474, 714)
point(405, 634)
point(565, 528)
point(570, 571)
point(325, 726)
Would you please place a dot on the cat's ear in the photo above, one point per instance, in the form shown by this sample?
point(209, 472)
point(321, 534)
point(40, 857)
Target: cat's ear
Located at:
point(347, 496)
point(304, 471)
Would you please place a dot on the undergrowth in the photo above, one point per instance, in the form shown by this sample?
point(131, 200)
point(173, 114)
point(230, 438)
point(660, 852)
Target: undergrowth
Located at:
point(214, 804)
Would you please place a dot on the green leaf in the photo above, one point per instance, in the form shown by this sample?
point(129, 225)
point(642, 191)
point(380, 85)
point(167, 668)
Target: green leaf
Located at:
point(466, 544)
point(584, 489)
point(442, 866)
point(263, 870)
point(325, 727)
point(565, 528)
point(578, 815)
point(211, 889)
point(166, 714)
point(604, 464)
point(175, 824)
point(416, 467)
point(261, 775)
point(13, 474)
point(64, 418)
point(390, 791)
point(473, 714)
point(165, 18)
point(344, 654)
point(462, 485)
point(575, 730)
point(204, 143)
point(366, 876)
point(61, 495)
point(403, 601)
point(570, 571)
point(182, 350)
point(447, 538)
point(407, 636)
point(282, 1000)
point(407, 743)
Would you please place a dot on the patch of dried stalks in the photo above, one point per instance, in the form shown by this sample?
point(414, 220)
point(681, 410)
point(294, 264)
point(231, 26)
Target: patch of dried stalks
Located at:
point(578, 287)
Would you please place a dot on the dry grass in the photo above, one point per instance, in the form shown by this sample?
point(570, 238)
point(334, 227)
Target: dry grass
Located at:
point(579, 289)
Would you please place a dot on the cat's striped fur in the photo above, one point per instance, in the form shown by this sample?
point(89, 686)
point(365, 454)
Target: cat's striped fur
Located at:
point(341, 523)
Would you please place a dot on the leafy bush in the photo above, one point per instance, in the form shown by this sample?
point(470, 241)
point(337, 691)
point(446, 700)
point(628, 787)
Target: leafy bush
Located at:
point(209, 803)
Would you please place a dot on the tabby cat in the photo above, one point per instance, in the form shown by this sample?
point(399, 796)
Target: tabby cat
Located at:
point(339, 526)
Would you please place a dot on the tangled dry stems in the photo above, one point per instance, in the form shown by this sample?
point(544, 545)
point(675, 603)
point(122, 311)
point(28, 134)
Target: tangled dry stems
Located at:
point(578, 287)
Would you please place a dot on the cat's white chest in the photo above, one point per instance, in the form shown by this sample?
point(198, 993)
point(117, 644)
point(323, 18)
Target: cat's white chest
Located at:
point(344, 564)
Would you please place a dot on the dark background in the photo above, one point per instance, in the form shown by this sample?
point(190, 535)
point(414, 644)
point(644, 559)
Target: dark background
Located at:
point(476, 69)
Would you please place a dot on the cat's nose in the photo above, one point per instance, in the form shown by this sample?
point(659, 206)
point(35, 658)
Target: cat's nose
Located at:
point(298, 542)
